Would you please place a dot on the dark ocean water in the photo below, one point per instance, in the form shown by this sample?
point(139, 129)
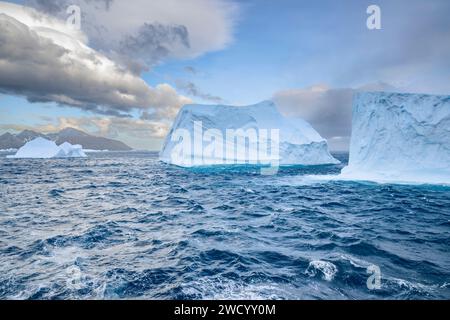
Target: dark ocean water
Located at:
point(123, 225)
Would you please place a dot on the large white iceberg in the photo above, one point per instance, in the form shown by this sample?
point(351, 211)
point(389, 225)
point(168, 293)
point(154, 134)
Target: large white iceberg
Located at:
point(43, 149)
point(401, 138)
point(259, 135)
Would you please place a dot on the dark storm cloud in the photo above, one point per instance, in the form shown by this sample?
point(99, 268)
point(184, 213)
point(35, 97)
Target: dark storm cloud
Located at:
point(154, 42)
point(49, 6)
point(412, 48)
point(39, 69)
point(328, 110)
point(137, 51)
point(139, 33)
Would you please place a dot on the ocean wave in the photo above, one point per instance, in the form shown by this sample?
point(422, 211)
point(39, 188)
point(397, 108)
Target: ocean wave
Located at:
point(131, 227)
point(325, 269)
point(225, 289)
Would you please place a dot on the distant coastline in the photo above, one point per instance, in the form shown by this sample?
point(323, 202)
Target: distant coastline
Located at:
point(12, 142)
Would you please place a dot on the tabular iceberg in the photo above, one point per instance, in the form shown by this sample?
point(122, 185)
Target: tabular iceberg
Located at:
point(44, 149)
point(206, 131)
point(400, 138)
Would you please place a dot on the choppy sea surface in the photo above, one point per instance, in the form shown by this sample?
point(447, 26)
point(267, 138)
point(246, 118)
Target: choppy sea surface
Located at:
point(125, 226)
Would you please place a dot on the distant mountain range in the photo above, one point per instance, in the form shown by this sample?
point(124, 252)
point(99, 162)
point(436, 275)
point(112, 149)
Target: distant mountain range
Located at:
point(71, 135)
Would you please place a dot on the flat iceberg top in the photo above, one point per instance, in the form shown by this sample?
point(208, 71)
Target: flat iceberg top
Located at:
point(44, 149)
point(400, 137)
point(296, 141)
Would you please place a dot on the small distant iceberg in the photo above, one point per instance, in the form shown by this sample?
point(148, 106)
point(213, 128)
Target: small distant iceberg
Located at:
point(400, 138)
point(204, 135)
point(72, 150)
point(44, 149)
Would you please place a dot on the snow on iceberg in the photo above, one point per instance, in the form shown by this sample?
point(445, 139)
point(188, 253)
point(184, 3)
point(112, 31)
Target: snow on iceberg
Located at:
point(257, 134)
point(400, 138)
point(44, 149)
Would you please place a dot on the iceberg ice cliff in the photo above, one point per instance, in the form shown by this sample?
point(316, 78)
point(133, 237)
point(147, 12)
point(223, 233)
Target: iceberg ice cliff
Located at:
point(257, 134)
point(401, 138)
point(44, 149)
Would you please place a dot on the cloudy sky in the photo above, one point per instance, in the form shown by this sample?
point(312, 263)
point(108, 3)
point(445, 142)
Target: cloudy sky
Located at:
point(134, 63)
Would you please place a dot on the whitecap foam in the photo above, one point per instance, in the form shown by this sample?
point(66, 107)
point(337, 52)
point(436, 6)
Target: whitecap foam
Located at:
point(408, 286)
point(327, 269)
